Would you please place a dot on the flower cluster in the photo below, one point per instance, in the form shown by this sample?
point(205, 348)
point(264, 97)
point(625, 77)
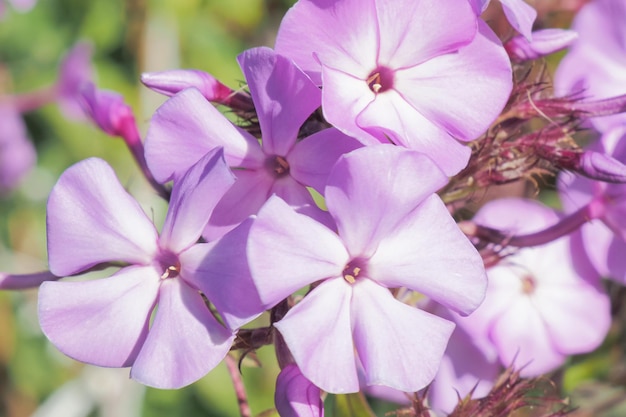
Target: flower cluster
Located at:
point(334, 203)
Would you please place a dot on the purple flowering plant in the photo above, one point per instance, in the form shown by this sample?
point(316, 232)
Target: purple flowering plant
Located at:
point(345, 206)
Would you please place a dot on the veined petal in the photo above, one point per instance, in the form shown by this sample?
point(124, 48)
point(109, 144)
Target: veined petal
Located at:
point(185, 341)
point(318, 333)
point(244, 198)
point(287, 251)
point(103, 322)
point(428, 253)
point(412, 32)
point(390, 118)
point(193, 199)
point(464, 92)
point(530, 350)
point(340, 33)
point(399, 346)
point(91, 219)
point(284, 97)
point(220, 270)
point(312, 158)
point(371, 190)
point(185, 128)
point(577, 316)
point(343, 99)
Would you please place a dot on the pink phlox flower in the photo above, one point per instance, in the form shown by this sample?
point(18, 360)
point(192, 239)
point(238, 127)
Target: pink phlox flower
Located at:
point(420, 74)
point(393, 232)
point(296, 396)
point(595, 66)
point(108, 322)
point(187, 126)
point(75, 72)
point(603, 239)
point(519, 14)
point(17, 153)
point(538, 309)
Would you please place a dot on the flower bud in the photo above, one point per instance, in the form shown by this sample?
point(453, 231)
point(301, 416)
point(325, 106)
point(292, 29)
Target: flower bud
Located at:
point(107, 109)
point(24, 281)
point(171, 82)
point(601, 167)
point(296, 396)
point(544, 42)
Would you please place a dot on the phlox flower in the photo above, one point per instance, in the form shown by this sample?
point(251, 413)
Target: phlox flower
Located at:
point(392, 232)
point(603, 239)
point(418, 73)
point(107, 322)
point(75, 72)
point(538, 308)
point(17, 153)
point(187, 126)
point(595, 66)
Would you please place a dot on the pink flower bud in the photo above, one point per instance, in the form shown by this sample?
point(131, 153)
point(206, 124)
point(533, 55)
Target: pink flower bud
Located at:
point(544, 42)
point(107, 109)
point(296, 396)
point(24, 281)
point(598, 166)
point(171, 82)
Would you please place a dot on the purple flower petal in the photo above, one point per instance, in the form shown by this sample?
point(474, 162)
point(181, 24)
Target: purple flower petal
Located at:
point(283, 95)
point(185, 128)
point(102, 322)
point(428, 253)
point(464, 92)
point(390, 118)
point(412, 32)
point(371, 190)
point(339, 32)
point(386, 332)
point(287, 251)
point(296, 396)
point(91, 219)
point(220, 270)
point(17, 153)
point(244, 198)
point(171, 82)
point(318, 333)
point(185, 341)
point(313, 157)
point(194, 197)
point(74, 73)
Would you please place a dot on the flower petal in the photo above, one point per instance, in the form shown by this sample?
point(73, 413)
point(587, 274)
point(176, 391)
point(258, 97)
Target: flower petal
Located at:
point(390, 118)
point(220, 270)
point(412, 32)
point(313, 157)
point(23, 281)
point(520, 15)
point(372, 189)
point(338, 32)
point(464, 92)
point(193, 199)
point(185, 341)
point(102, 322)
point(296, 396)
point(284, 97)
point(399, 346)
point(287, 251)
point(428, 253)
point(318, 333)
point(185, 128)
point(91, 219)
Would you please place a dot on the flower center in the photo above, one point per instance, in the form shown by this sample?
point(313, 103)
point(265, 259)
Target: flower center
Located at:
point(278, 165)
point(380, 80)
point(528, 284)
point(169, 264)
point(352, 271)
